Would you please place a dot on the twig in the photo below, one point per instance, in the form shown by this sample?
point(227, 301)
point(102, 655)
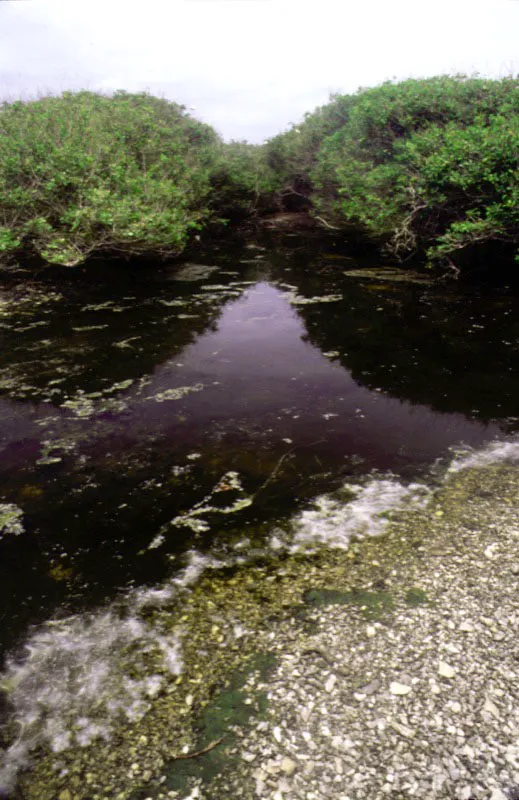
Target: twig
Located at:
point(273, 473)
point(200, 752)
point(326, 224)
point(278, 465)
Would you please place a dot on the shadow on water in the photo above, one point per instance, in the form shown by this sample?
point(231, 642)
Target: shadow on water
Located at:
point(147, 414)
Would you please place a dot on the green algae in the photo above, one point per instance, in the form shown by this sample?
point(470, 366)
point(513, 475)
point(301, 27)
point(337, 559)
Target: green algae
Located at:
point(371, 603)
point(416, 597)
point(231, 706)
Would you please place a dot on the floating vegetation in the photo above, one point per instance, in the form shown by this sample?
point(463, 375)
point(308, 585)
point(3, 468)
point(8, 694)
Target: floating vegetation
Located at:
point(214, 287)
point(108, 305)
point(194, 272)
point(229, 482)
point(81, 405)
point(53, 450)
point(10, 519)
point(119, 387)
point(126, 343)
point(178, 302)
point(299, 300)
point(87, 328)
point(176, 394)
point(390, 274)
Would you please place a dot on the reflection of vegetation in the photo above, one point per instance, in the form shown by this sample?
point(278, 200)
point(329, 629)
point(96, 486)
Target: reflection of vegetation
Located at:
point(51, 341)
point(453, 352)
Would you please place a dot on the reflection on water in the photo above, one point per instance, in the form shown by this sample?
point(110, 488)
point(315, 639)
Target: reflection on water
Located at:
point(144, 410)
point(146, 419)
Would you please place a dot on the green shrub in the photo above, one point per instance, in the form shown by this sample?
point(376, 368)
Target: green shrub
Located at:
point(242, 182)
point(85, 173)
point(423, 166)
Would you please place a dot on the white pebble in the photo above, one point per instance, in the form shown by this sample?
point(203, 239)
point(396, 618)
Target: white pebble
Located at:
point(399, 688)
point(445, 670)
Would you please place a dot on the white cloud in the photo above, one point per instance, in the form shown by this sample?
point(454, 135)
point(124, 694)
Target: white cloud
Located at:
point(250, 67)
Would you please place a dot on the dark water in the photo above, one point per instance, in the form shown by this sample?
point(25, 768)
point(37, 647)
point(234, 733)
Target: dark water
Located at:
point(142, 414)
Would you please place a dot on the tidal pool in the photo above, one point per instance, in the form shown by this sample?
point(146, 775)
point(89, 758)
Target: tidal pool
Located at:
point(157, 423)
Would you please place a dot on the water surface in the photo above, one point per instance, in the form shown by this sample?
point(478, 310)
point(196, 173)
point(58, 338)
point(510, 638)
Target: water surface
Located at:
point(148, 415)
point(126, 400)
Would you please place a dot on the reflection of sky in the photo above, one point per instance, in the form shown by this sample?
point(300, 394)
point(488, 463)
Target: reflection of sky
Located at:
point(267, 375)
point(255, 375)
point(249, 67)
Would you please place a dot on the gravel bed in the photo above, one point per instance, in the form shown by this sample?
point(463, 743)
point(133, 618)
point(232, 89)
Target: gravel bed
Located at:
point(394, 671)
point(421, 702)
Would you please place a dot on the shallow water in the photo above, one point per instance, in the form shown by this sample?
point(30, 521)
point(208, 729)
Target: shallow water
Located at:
point(149, 418)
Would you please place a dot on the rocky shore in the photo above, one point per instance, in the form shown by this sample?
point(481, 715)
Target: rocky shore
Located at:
point(413, 690)
point(387, 670)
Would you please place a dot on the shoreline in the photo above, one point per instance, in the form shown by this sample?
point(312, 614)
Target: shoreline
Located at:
point(386, 670)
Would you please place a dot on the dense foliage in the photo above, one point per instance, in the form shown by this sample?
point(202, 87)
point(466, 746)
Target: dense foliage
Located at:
point(242, 182)
point(424, 165)
point(84, 173)
point(427, 167)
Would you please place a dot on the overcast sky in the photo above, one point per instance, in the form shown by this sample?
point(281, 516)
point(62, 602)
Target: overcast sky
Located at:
point(248, 67)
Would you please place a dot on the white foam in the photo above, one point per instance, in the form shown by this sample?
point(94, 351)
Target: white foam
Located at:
point(334, 522)
point(72, 685)
point(73, 682)
point(494, 453)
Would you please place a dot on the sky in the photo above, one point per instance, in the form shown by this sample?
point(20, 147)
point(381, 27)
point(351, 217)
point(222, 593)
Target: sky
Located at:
point(250, 68)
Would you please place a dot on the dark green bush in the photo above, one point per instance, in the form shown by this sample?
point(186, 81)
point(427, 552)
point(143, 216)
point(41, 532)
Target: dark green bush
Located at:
point(426, 167)
point(423, 166)
point(242, 182)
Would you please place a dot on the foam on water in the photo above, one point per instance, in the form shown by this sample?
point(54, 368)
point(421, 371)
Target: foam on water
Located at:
point(72, 682)
point(494, 453)
point(78, 676)
point(334, 523)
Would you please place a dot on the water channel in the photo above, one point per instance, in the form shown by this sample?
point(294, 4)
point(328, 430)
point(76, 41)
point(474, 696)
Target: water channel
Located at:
point(154, 418)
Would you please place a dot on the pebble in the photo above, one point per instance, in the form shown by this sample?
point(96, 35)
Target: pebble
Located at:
point(399, 688)
point(491, 708)
point(445, 670)
point(330, 683)
point(288, 766)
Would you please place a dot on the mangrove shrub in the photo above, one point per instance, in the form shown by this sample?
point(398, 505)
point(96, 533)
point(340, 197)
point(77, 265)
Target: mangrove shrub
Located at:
point(85, 173)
